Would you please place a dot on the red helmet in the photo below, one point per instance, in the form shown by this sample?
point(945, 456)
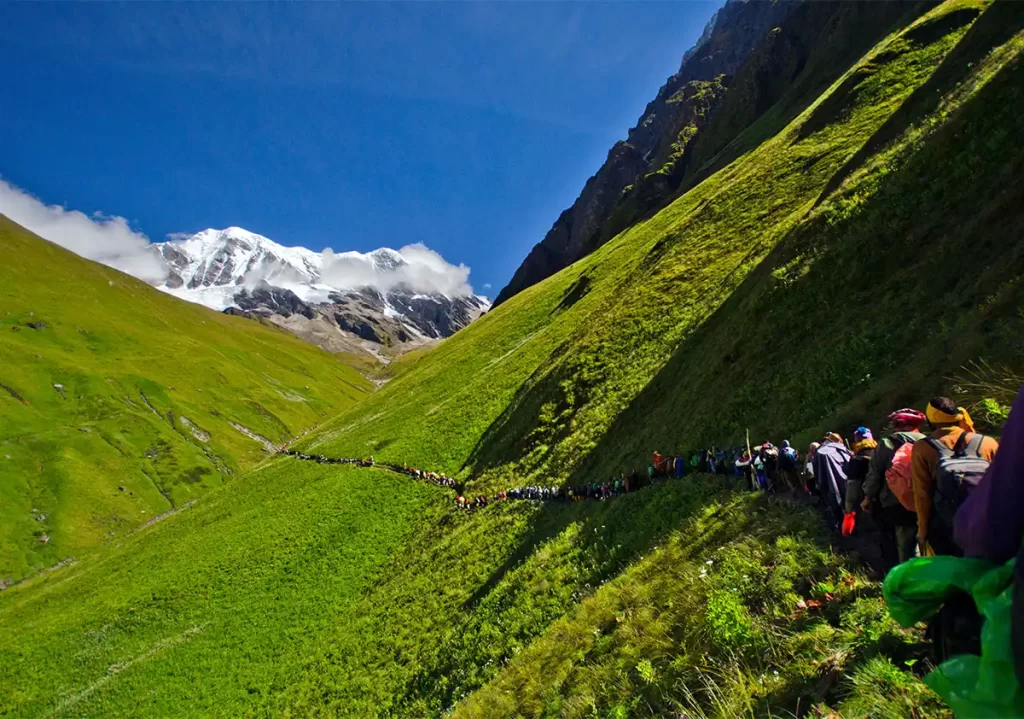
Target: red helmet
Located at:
point(906, 419)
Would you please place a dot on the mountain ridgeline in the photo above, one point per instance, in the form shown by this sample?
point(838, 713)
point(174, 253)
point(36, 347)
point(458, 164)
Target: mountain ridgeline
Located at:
point(750, 56)
point(835, 234)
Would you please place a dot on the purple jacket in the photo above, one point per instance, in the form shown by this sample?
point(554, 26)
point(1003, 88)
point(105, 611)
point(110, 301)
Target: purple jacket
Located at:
point(990, 524)
point(831, 464)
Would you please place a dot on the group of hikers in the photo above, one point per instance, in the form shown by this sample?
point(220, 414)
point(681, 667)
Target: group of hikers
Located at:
point(438, 478)
point(903, 487)
point(922, 492)
point(321, 459)
point(926, 485)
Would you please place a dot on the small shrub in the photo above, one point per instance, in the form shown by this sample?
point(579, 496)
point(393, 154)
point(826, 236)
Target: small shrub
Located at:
point(729, 624)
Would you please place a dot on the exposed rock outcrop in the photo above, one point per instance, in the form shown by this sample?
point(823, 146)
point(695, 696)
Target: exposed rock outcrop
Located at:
point(661, 135)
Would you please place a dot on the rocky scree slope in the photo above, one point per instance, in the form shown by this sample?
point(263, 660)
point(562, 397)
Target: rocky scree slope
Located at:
point(249, 275)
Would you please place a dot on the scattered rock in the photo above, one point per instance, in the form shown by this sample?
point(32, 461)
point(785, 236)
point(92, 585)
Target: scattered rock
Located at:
point(37, 325)
point(197, 432)
point(4, 583)
point(45, 539)
point(120, 488)
point(41, 518)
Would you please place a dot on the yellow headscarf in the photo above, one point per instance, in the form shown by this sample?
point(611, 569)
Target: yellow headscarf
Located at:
point(864, 444)
point(962, 417)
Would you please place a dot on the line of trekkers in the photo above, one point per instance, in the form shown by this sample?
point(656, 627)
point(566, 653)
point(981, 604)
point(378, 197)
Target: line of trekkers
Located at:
point(320, 459)
point(905, 485)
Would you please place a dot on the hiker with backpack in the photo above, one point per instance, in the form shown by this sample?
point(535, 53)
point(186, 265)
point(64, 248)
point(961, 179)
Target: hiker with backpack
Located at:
point(831, 465)
point(888, 490)
point(789, 461)
point(946, 466)
point(744, 469)
point(864, 446)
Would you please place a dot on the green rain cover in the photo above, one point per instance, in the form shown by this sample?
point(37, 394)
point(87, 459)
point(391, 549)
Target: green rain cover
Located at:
point(984, 687)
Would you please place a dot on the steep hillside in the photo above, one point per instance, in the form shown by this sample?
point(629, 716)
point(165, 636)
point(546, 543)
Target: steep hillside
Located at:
point(119, 402)
point(752, 54)
point(796, 287)
point(855, 246)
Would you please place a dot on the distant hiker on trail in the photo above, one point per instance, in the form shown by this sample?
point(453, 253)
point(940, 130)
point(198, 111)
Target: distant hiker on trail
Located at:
point(757, 462)
point(680, 467)
point(864, 446)
point(888, 489)
point(990, 522)
point(831, 464)
point(789, 463)
point(810, 485)
point(744, 469)
point(658, 461)
point(770, 460)
point(946, 466)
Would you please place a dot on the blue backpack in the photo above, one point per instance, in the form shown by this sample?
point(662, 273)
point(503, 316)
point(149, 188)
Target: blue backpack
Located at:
point(789, 458)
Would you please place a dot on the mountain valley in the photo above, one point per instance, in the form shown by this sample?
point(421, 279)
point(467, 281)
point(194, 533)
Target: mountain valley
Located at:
point(815, 222)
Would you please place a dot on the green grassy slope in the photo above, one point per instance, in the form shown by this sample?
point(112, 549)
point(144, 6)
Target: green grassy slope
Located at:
point(684, 329)
point(214, 610)
point(701, 321)
point(304, 589)
point(149, 388)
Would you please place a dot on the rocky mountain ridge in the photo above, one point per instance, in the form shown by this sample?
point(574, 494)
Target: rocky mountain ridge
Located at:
point(661, 135)
point(754, 59)
point(343, 302)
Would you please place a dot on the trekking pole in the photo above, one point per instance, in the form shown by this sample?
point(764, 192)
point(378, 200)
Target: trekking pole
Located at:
point(750, 457)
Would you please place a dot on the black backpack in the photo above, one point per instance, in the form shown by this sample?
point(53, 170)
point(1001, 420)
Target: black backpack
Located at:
point(957, 473)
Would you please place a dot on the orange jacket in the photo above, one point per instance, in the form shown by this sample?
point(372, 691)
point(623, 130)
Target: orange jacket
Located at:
point(924, 460)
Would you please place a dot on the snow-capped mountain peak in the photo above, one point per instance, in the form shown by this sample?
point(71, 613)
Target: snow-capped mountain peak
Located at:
point(384, 295)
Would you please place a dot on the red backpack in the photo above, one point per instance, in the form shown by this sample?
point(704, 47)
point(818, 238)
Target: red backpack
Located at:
point(898, 476)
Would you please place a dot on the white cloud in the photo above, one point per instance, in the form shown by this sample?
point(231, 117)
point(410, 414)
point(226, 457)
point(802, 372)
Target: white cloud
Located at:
point(487, 286)
point(416, 268)
point(109, 239)
point(104, 238)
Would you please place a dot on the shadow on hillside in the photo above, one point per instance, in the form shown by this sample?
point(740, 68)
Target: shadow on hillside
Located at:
point(846, 31)
point(508, 438)
point(845, 333)
point(997, 25)
point(619, 530)
point(840, 102)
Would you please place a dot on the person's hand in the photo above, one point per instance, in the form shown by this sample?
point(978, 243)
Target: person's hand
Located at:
point(922, 547)
point(866, 504)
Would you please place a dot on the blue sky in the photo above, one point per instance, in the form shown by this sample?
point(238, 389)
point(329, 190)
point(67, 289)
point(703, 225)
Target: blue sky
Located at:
point(466, 126)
